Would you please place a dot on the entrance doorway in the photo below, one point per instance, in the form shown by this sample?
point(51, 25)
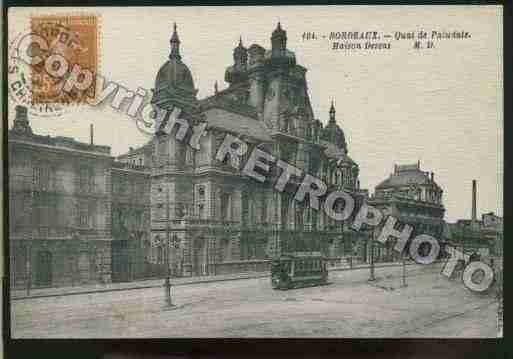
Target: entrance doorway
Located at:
point(44, 269)
point(199, 257)
point(84, 269)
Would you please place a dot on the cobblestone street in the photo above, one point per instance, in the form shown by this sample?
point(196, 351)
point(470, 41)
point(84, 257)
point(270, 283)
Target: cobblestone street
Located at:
point(430, 306)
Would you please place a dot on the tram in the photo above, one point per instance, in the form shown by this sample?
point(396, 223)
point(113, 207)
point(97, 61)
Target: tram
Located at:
point(298, 269)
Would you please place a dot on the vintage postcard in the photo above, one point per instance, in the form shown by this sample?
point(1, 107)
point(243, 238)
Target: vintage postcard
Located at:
point(277, 171)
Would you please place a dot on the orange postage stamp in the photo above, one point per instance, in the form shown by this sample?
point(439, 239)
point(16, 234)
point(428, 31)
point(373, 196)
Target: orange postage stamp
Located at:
point(64, 58)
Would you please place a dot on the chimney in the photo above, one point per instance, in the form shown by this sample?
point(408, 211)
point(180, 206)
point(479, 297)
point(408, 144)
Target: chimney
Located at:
point(474, 194)
point(21, 123)
point(91, 133)
point(21, 113)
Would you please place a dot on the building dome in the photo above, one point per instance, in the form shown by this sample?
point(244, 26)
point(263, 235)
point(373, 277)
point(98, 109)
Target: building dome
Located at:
point(174, 73)
point(333, 133)
point(407, 175)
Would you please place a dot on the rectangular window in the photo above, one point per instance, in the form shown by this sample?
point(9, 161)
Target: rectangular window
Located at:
point(86, 179)
point(299, 218)
point(92, 214)
point(162, 151)
point(245, 208)
point(83, 214)
point(41, 178)
point(161, 210)
point(225, 207)
point(264, 208)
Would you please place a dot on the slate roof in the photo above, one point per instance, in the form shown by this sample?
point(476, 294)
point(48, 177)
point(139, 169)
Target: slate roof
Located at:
point(174, 73)
point(405, 178)
point(141, 149)
point(338, 153)
point(237, 123)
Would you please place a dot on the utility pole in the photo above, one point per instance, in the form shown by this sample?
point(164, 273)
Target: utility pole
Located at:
point(167, 282)
point(207, 267)
point(29, 247)
point(372, 277)
point(28, 269)
point(404, 271)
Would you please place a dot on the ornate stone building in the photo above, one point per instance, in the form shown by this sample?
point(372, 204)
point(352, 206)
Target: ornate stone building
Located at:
point(78, 215)
point(208, 215)
point(413, 197)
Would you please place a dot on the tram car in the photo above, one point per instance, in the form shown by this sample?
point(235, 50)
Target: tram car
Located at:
point(298, 269)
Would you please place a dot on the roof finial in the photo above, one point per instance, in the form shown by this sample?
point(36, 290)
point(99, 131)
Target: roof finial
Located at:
point(332, 112)
point(175, 44)
point(240, 41)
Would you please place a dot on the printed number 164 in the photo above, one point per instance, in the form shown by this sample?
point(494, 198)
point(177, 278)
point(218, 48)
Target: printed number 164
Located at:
point(309, 36)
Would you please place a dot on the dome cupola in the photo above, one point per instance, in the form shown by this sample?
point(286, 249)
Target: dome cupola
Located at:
point(174, 73)
point(240, 56)
point(333, 133)
point(279, 41)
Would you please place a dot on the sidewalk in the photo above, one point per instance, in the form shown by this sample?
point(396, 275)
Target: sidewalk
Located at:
point(19, 294)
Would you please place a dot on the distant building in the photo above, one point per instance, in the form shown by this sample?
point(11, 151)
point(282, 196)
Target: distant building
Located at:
point(413, 197)
point(474, 235)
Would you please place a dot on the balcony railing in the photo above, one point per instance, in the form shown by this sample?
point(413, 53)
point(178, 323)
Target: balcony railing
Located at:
point(27, 184)
point(56, 232)
point(21, 183)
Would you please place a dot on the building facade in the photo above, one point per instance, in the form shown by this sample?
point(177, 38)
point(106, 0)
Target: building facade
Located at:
point(130, 212)
point(72, 210)
point(60, 205)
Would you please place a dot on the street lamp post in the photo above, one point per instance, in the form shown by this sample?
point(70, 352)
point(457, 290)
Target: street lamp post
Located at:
point(167, 282)
point(404, 272)
point(371, 237)
point(29, 247)
point(28, 250)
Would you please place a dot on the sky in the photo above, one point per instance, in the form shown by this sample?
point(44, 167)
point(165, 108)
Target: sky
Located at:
point(442, 106)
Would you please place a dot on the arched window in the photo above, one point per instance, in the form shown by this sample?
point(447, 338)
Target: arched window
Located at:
point(160, 256)
point(201, 211)
point(225, 206)
point(201, 192)
point(263, 208)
